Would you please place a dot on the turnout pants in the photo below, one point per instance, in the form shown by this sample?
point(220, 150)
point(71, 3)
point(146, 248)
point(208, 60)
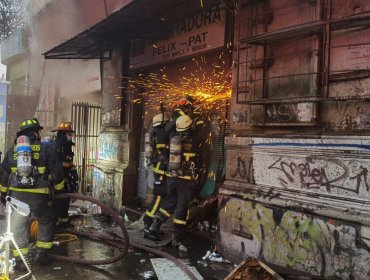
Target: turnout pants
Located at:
point(176, 203)
point(159, 193)
point(62, 206)
point(42, 208)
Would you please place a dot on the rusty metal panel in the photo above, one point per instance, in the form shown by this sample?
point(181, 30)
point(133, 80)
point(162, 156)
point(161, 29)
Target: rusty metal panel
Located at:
point(259, 17)
point(344, 8)
point(350, 49)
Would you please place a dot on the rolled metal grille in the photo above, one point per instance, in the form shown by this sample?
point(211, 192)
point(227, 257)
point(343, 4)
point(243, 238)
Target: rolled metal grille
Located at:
point(86, 121)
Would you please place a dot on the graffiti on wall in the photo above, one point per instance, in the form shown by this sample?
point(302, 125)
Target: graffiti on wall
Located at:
point(316, 171)
point(262, 221)
point(346, 116)
point(108, 150)
point(112, 146)
point(290, 112)
point(107, 187)
point(321, 166)
point(240, 166)
point(318, 246)
point(240, 116)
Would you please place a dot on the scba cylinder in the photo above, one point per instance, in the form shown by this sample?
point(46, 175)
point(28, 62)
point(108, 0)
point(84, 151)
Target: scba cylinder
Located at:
point(175, 153)
point(24, 156)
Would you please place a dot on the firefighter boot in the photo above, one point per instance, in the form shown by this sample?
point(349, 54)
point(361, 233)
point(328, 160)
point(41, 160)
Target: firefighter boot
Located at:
point(42, 257)
point(147, 223)
point(154, 231)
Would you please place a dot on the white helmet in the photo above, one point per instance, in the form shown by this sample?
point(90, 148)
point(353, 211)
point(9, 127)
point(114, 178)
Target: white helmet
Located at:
point(159, 119)
point(183, 123)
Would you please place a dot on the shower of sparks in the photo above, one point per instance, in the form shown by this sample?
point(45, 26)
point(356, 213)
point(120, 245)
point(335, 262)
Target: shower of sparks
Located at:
point(211, 88)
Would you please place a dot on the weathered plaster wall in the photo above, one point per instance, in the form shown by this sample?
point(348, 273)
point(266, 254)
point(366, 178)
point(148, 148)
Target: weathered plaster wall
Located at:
point(316, 245)
point(111, 88)
point(113, 154)
point(298, 203)
point(113, 160)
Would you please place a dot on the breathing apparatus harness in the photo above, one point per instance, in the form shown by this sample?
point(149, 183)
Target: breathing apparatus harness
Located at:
point(27, 172)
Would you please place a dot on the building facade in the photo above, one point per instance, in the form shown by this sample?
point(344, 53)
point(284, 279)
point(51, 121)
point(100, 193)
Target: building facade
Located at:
point(147, 60)
point(297, 187)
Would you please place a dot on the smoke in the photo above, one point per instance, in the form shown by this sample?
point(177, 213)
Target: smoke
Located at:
point(58, 82)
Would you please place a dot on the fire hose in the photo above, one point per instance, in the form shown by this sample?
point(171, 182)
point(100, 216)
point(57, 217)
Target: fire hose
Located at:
point(119, 243)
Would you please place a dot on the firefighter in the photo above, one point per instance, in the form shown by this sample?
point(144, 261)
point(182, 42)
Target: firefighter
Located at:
point(63, 146)
point(186, 106)
point(182, 174)
point(183, 106)
point(157, 153)
point(34, 189)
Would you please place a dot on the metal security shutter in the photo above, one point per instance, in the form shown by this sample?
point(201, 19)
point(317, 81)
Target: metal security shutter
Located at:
point(217, 153)
point(145, 173)
point(143, 178)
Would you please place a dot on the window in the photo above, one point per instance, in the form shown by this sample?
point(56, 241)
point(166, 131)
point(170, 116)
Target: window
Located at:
point(285, 51)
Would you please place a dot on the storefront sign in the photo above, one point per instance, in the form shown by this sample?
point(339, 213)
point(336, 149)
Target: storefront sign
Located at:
point(197, 33)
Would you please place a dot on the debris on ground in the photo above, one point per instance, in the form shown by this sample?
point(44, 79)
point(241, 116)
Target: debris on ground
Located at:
point(212, 256)
point(148, 274)
point(252, 269)
point(167, 270)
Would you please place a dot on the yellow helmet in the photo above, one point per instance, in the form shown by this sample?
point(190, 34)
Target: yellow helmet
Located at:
point(64, 126)
point(183, 123)
point(159, 119)
point(30, 124)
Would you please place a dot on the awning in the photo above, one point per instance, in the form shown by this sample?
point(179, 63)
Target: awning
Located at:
point(132, 21)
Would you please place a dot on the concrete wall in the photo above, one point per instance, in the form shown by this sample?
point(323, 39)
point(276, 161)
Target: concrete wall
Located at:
point(298, 203)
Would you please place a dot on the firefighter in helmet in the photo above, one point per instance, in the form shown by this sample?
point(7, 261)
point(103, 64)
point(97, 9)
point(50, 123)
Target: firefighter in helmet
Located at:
point(182, 174)
point(33, 187)
point(63, 146)
point(187, 106)
point(156, 154)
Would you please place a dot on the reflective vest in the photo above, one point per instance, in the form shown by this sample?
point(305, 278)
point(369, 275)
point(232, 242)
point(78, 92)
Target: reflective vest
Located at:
point(42, 182)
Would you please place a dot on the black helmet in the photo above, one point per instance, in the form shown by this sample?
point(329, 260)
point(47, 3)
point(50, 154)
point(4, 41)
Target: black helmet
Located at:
point(30, 124)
